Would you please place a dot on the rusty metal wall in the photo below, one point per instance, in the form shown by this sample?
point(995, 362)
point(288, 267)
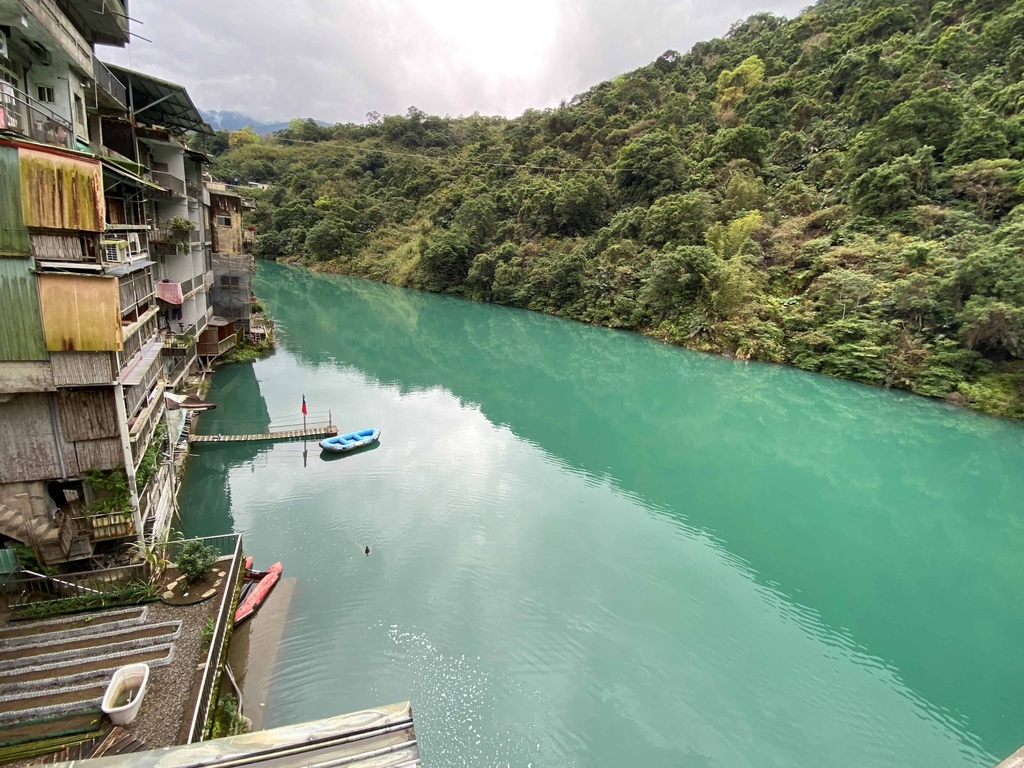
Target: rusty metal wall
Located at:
point(13, 234)
point(21, 329)
point(81, 313)
point(61, 192)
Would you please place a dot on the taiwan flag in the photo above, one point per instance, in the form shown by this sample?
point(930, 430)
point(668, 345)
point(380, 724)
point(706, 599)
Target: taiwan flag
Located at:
point(303, 405)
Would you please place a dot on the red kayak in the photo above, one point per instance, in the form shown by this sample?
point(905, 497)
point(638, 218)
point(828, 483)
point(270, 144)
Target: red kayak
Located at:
point(256, 589)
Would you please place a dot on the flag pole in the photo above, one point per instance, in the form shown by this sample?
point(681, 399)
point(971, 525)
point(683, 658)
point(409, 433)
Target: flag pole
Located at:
point(303, 411)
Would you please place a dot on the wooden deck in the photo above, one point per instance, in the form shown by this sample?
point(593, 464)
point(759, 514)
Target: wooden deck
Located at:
point(312, 433)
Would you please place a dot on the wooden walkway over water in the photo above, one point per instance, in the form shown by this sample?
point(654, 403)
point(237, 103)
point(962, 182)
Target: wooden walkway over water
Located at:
point(313, 433)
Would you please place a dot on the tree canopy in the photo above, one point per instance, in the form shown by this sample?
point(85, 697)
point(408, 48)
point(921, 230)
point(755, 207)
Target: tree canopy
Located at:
point(842, 191)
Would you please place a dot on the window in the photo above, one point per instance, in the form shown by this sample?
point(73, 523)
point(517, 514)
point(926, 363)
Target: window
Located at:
point(79, 110)
point(223, 220)
point(45, 94)
point(228, 282)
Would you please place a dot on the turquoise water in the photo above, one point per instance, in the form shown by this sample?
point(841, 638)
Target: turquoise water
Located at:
point(591, 549)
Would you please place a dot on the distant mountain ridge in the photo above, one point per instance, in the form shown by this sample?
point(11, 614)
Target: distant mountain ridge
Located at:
point(226, 120)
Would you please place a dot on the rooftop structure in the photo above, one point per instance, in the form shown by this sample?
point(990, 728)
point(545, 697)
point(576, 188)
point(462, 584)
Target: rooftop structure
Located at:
point(383, 737)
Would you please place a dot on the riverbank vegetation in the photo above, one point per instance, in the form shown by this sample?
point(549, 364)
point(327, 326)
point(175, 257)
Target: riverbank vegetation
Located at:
point(841, 192)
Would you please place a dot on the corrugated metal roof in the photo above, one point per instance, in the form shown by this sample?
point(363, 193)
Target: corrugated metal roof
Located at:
point(13, 233)
point(21, 325)
point(132, 266)
point(159, 102)
point(374, 738)
point(127, 177)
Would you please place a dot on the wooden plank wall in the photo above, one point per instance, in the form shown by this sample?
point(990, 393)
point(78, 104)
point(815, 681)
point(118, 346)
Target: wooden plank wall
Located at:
point(28, 450)
point(99, 454)
point(87, 414)
point(58, 247)
point(76, 369)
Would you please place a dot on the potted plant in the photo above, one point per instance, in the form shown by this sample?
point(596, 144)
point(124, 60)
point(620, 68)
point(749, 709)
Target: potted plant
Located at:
point(179, 227)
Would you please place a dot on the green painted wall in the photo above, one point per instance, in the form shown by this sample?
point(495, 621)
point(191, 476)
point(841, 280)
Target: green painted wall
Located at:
point(13, 234)
point(21, 329)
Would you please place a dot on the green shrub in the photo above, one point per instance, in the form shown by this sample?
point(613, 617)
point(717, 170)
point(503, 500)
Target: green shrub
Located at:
point(196, 561)
point(130, 593)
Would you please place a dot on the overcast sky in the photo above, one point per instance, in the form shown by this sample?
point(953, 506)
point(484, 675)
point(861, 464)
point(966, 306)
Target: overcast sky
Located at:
point(336, 60)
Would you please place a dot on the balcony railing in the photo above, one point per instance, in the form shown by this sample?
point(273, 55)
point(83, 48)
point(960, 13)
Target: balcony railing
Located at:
point(24, 588)
point(142, 430)
point(215, 349)
point(111, 85)
point(135, 290)
point(194, 188)
point(137, 339)
point(21, 113)
point(225, 546)
point(135, 396)
point(167, 181)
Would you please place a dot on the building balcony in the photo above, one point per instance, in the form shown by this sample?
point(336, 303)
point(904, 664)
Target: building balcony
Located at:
point(141, 432)
point(48, 24)
point(22, 114)
point(169, 182)
point(138, 334)
point(135, 291)
point(194, 188)
point(110, 93)
point(103, 21)
point(140, 375)
point(216, 348)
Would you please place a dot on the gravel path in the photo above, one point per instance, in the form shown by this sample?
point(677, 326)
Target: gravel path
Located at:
point(170, 687)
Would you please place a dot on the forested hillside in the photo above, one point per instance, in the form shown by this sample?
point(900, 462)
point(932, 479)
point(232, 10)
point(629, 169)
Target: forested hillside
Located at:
point(841, 192)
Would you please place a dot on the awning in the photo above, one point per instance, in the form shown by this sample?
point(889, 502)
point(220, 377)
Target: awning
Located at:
point(132, 266)
point(218, 322)
point(159, 102)
point(67, 266)
point(187, 403)
point(127, 177)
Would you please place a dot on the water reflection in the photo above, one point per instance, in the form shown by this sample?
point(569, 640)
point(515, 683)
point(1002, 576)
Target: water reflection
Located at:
point(880, 528)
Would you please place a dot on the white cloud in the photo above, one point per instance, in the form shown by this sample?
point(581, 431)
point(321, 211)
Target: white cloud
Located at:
point(336, 60)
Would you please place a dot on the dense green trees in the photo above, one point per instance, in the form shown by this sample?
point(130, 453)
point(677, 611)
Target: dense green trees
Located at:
point(843, 191)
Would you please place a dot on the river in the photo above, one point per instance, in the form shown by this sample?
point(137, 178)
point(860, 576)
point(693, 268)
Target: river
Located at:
point(592, 549)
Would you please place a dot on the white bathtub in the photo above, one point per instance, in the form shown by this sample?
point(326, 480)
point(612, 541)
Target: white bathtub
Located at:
point(132, 676)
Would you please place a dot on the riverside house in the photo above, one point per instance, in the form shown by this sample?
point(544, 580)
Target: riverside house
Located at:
point(99, 312)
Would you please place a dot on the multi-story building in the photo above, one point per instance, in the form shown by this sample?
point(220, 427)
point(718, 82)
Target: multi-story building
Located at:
point(179, 234)
point(84, 173)
point(233, 262)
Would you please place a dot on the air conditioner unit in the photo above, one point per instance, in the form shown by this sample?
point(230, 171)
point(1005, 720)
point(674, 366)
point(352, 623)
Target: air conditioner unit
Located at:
point(133, 243)
point(114, 251)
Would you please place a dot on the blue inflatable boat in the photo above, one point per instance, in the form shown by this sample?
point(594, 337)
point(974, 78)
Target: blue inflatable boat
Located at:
point(350, 441)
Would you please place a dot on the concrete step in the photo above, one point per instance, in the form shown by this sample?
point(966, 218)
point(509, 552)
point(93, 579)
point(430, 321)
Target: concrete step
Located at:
point(35, 705)
point(91, 646)
point(60, 675)
point(20, 633)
